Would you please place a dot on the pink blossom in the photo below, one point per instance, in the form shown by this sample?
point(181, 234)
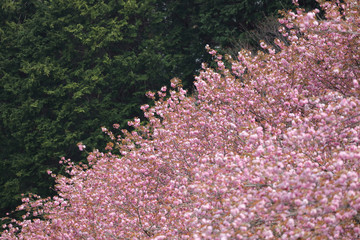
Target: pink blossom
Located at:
point(81, 146)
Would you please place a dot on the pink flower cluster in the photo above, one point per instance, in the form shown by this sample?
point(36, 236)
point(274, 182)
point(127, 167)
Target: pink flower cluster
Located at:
point(268, 149)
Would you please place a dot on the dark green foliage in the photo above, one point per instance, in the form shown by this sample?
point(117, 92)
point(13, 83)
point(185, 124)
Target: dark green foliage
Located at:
point(68, 67)
point(191, 24)
point(221, 23)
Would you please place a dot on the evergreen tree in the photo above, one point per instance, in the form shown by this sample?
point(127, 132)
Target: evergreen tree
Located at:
point(68, 68)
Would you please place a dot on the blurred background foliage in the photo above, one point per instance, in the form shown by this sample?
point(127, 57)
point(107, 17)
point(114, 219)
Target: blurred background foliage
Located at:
point(68, 67)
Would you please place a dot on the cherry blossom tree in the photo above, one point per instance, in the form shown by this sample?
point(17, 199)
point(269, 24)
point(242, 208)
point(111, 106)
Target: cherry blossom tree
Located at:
point(267, 148)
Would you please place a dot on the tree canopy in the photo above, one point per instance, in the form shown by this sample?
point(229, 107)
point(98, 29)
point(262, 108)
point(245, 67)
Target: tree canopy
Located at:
point(267, 148)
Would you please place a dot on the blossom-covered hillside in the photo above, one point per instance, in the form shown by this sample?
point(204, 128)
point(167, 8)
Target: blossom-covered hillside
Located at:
point(267, 148)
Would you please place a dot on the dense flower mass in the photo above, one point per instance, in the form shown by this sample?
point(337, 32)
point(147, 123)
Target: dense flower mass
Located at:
point(267, 148)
